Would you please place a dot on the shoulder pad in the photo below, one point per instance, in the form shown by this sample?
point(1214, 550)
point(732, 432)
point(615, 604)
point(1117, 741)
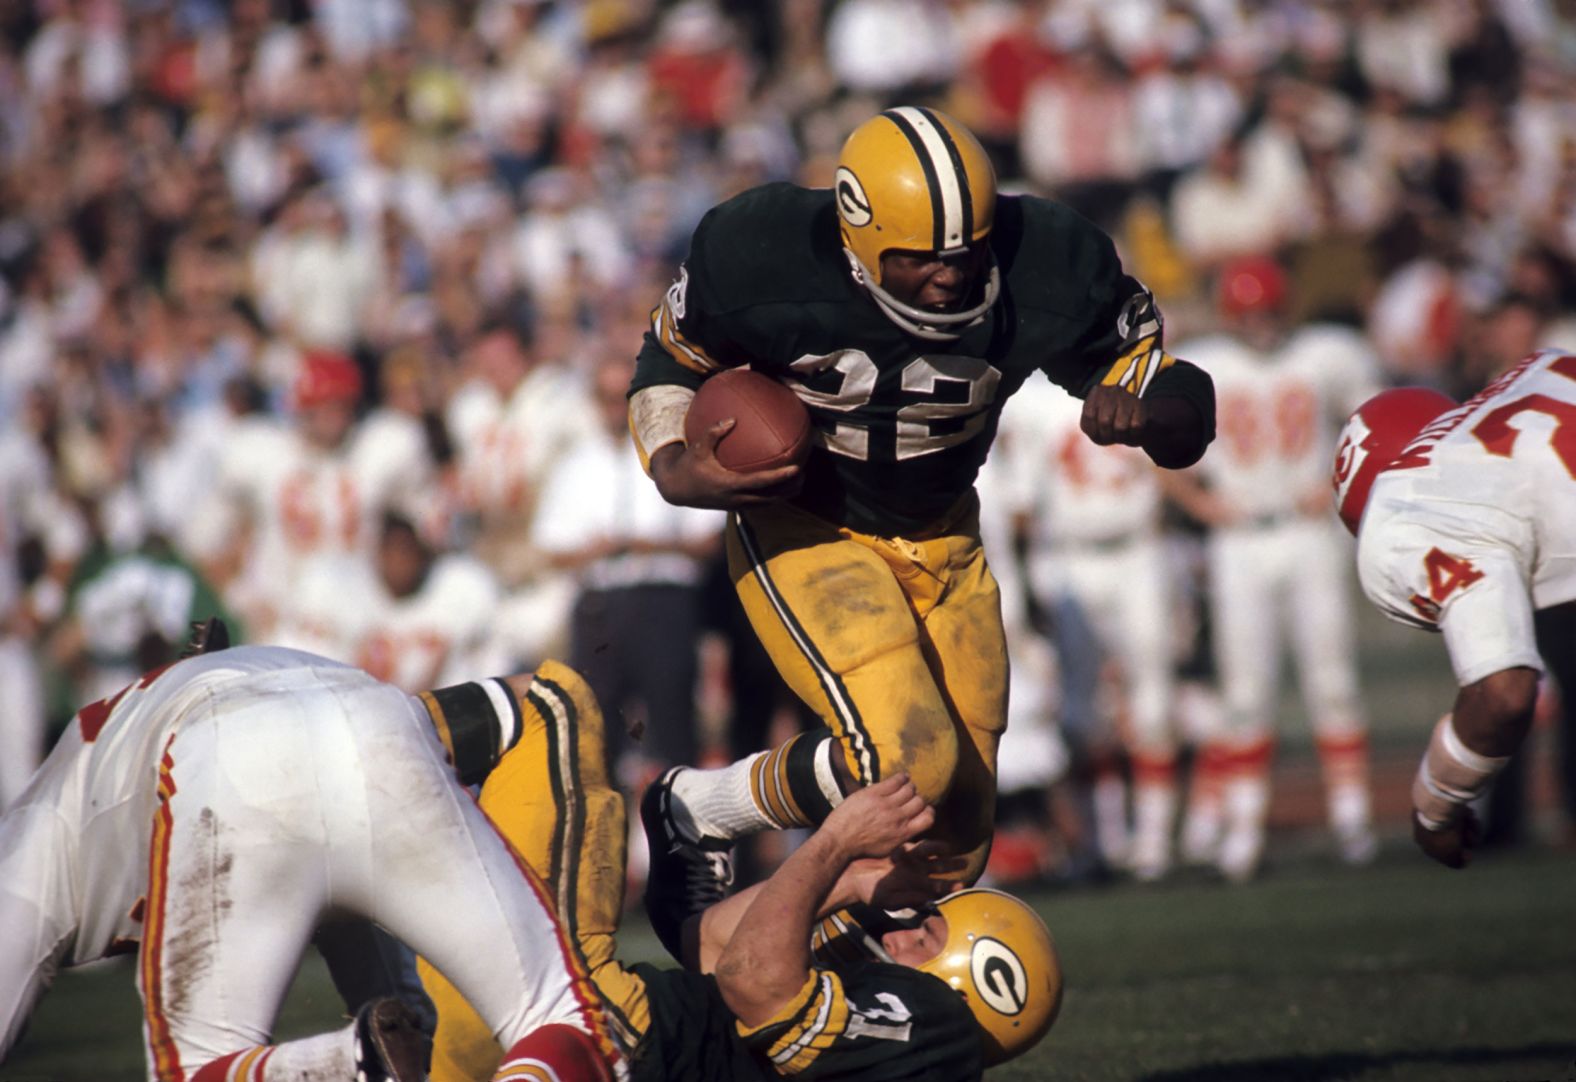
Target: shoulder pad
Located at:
point(1052, 257)
point(752, 249)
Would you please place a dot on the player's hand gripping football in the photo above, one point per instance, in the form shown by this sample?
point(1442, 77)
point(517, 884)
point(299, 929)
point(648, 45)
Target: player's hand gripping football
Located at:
point(1452, 846)
point(690, 476)
point(875, 820)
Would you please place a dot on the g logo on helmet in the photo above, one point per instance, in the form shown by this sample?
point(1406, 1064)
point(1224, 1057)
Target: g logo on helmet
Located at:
point(999, 976)
point(853, 205)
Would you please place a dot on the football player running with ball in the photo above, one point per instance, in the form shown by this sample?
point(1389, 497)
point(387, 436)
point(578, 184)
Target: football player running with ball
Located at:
point(1465, 518)
point(903, 306)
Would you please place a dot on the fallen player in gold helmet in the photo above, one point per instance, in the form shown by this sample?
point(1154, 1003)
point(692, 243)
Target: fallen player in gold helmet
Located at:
point(967, 982)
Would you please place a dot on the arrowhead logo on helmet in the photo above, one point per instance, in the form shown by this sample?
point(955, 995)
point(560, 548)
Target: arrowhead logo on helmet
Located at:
point(1374, 436)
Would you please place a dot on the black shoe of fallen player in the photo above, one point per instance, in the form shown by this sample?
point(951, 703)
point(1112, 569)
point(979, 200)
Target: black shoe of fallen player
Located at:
point(686, 875)
point(390, 1043)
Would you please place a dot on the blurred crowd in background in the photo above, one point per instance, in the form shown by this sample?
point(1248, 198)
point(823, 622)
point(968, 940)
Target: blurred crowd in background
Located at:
point(318, 313)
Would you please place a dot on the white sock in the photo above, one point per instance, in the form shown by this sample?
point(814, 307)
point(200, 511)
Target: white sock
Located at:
point(1350, 808)
point(1154, 810)
point(718, 803)
point(1247, 800)
point(1110, 817)
point(328, 1055)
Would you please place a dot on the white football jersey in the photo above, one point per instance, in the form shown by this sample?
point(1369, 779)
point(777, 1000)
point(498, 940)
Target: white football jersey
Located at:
point(1277, 414)
point(305, 502)
point(1074, 490)
point(440, 635)
point(390, 455)
point(1474, 527)
point(507, 448)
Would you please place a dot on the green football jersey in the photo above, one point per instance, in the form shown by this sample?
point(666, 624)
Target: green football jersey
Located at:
point(867, 1023)
point(903, 423)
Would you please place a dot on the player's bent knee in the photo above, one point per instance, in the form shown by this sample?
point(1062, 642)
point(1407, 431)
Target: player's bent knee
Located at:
point(571, 682)
point(928, 754)
point(555, 1053)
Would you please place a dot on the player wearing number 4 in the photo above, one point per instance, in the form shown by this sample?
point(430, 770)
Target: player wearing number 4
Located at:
point(903, 307)
point(1465, 518)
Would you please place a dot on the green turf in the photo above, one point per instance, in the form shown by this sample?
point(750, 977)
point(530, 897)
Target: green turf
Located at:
point(1315, 973)
point(1401, 971)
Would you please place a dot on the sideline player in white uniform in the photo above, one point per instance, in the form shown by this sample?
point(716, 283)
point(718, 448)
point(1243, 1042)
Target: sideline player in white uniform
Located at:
point(1470, 530)
point(512, 422)
point(1094, 545)
point(210, 814)
point(1032, 756)
point(290, 492)
point(413, 617)
point(1277, 561)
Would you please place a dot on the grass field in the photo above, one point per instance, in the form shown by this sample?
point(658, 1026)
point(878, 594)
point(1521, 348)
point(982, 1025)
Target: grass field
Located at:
point(1312, 974)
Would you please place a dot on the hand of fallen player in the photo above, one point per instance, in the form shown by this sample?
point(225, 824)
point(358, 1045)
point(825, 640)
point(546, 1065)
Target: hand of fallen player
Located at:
point(875, 820)
point(1452, 846)
point(1113, 415)
point(915, 874)
point(691, 476)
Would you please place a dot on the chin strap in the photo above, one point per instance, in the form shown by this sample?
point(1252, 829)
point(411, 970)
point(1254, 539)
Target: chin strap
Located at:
point(921, 322)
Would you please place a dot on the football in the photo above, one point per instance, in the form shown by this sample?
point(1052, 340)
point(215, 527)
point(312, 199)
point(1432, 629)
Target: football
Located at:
point(773, 426)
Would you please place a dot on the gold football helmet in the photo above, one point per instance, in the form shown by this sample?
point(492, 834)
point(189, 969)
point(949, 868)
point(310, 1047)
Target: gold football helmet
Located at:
point(915, 179)
point(1000, 957)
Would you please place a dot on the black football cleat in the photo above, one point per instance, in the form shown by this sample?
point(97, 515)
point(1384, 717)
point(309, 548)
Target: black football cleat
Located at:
point(687, 874)
point(391, 1046)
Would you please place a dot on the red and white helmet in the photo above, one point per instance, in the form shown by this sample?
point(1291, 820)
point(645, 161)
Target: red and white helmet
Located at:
point(1374, 436)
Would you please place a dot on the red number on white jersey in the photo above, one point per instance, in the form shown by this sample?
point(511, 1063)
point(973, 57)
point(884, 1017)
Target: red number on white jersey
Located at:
point(1296, 417)
point(304, 505)
point(1498, 437)
point(1447, 574)
point(1254, 428)
point(410, 660)
point(1085, 465)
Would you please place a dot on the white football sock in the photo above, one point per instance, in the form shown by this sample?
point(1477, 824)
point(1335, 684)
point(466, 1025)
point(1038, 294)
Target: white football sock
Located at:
point(718, 803)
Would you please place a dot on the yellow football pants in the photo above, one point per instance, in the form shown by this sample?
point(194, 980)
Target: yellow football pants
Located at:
point(896, 643)
point(549, 797)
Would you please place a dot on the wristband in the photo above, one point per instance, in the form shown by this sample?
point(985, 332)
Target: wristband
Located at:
point(1450, 777)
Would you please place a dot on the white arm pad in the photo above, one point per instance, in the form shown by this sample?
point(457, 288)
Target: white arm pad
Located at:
point(1450, 776)
point(656, 417)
